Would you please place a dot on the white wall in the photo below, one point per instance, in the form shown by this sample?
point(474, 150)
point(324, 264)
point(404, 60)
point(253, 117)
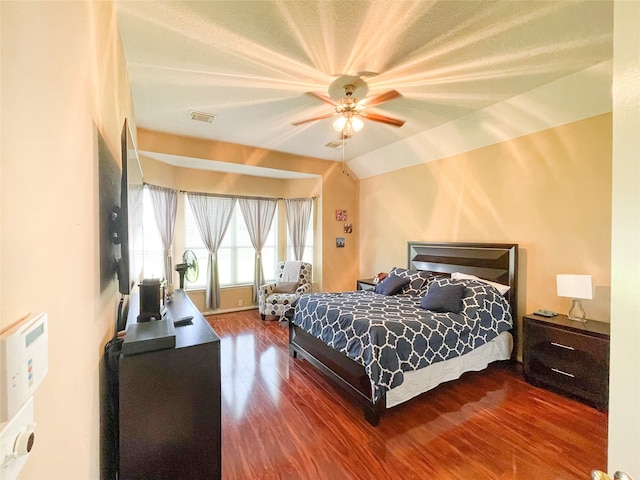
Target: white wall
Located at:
point(64, 86)
point(624, 403)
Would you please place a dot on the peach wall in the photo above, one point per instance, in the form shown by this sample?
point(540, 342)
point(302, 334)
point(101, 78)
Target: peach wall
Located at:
point(65, 94)
point(550, 192)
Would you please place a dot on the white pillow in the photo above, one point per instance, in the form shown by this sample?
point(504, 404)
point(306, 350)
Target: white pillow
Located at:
point(498, 286)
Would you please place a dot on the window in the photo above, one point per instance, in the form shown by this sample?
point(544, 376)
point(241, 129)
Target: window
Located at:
point(153, 250)
point(307, 255)
point(193, 242)
point(236, 256)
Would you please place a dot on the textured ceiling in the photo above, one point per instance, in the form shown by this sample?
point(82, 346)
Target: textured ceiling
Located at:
point(250, 63)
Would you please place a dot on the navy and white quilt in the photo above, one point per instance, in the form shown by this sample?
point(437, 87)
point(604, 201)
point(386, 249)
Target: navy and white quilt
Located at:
point(390, 335)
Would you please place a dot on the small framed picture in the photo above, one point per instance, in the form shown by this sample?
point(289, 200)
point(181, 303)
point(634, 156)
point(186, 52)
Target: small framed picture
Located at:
point(348, 228)
point(341, 215)
point(340, 242)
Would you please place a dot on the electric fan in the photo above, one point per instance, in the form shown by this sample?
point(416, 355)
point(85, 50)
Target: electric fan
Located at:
point(188, 268)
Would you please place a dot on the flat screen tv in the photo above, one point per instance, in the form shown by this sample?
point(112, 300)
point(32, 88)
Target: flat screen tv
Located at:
point(130, 263)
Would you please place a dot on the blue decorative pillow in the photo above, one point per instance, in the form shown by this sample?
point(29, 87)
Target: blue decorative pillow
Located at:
point(447, 298)
point(391, 285)
point(417, 280)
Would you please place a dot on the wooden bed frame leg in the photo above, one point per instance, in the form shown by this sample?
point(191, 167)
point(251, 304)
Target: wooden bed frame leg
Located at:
point(373, 411)
point(292, 349)
point(372, 416)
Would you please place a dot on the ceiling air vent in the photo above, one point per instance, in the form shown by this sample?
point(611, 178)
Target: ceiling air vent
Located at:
point(202, 117)
point(335, 145)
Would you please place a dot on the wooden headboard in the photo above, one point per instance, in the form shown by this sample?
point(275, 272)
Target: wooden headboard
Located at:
point(497, 262)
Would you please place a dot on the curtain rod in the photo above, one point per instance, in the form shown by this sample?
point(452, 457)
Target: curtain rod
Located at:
point(225, 195)
point(248, 197)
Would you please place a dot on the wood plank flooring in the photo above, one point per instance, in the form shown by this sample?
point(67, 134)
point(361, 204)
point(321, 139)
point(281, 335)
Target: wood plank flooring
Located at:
point(282, 419)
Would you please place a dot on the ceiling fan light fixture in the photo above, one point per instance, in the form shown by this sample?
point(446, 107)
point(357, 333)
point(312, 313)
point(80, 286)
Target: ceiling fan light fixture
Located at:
point(348, 124)
point(347, 94)
point(340, 123)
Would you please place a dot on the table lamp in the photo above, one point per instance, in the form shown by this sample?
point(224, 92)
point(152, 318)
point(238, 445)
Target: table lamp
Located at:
point(575, 287)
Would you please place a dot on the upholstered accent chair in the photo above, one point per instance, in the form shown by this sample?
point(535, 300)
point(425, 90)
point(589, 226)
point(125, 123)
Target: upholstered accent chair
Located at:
point(292, 280)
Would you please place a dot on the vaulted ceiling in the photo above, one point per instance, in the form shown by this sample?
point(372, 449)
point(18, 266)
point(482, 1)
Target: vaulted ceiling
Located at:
point(250, 63)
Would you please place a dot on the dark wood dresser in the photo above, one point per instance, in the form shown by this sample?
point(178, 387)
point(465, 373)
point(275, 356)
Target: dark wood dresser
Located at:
point(568, 357)
point(169, 403)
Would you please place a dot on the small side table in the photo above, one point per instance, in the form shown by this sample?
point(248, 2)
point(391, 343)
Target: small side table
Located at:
point(568, 356)
point(365, 284)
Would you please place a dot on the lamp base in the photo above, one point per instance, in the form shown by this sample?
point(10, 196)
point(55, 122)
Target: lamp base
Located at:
point(576, 312)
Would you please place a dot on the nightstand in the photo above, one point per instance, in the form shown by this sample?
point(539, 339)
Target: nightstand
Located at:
point(365, 284)
point(567, 356)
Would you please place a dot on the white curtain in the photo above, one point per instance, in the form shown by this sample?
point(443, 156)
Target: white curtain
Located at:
point(258, 214)
point(165, 206)
point(212, 215)
point(298, 214)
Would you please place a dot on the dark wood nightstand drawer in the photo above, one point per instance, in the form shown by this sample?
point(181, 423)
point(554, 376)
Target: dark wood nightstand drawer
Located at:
point(365, 284)
point(571, 360)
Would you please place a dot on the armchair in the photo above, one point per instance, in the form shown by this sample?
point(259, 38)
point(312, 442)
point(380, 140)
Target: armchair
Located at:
point(292, 280)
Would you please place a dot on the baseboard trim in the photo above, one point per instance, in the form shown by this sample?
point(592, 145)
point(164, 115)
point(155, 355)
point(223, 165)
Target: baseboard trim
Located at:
point(230, 310)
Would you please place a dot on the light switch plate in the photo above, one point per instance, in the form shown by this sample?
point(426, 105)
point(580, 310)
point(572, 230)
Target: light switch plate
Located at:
point(14, 439)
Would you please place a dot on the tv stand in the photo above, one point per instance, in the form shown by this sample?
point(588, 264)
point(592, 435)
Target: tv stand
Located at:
point(169, 402)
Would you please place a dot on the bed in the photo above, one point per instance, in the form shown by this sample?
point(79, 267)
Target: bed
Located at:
point(387, 349)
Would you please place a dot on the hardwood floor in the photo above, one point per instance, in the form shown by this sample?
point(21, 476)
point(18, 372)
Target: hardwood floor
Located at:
point(282, 419)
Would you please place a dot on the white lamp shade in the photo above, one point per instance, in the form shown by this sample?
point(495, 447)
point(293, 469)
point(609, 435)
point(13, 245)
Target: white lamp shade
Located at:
point(574, 286)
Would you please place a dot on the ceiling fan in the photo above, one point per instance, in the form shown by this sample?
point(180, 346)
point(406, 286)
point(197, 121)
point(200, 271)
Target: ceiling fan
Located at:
point(348, 96)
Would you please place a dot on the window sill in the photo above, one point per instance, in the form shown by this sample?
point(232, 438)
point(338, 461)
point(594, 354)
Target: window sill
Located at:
point(222, 287)
point(194, 289)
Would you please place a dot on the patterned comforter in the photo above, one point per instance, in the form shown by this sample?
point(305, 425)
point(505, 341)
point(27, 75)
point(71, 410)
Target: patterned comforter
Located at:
point(390, 335)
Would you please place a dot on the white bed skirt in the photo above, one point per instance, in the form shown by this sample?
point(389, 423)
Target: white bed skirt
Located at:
point(420, 381)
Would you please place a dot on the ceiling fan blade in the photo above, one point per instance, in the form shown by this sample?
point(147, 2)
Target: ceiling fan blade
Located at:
point(321, 117)
point(381, 98)
point(383, 119)
point(322, 97)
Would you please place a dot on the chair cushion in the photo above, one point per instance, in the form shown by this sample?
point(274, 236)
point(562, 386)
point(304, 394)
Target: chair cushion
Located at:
point(286, 287)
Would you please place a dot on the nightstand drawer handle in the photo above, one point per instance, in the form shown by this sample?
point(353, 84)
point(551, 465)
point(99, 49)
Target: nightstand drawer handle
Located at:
point(567, 347)
point(563, 373)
